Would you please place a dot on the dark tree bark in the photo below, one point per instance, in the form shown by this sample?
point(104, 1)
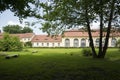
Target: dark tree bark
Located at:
point(90, 36)
point(101, 29)
point(108, 30)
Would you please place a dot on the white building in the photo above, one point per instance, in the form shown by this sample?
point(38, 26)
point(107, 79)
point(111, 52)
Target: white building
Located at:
point(25, 37)
point(46, 41)
point(73, 38)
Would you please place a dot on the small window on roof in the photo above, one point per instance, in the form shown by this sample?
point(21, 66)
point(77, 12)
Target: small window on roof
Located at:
point(46, 39)
point(56, 39)
point(37, 39)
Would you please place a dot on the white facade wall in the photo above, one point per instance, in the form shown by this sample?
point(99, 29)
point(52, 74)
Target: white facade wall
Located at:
point(27, 39)
point(71, 39)
point(46, 44)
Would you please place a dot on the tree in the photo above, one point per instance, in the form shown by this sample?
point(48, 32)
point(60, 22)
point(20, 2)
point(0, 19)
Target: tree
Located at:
point(28, 44)
point(10, 43)
point(118, 44)
point(21, 8)
point(70, 13)
point(14, 29)
point(27, 30)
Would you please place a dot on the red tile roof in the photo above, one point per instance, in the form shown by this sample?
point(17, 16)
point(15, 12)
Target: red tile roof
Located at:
point(77, 33)
point(46, 38)
point(24, 35)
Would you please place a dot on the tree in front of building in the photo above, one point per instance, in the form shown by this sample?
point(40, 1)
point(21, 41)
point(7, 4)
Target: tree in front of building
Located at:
point(28, 44)
point(10, 43)
point(20, 8)
point(14, 29)
point(118, 44)
point(71, 13)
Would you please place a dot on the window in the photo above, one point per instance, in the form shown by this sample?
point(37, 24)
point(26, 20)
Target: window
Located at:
point(42, 44)
point(83, 42)
point(24, 39)
point(56, 39)
point(46, 39)
point(76, 43)
point(28, 39)
point(37, 44)
point(97, 42)
point(67, 43)
point(58, 44)
point(53, 44)
point(47, 44)
point(113, 42)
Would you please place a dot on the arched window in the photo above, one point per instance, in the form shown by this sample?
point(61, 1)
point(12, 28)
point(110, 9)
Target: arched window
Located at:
point(67, 43)
point(97, 42)
point(47, 44)
point(76, 43)
point(103, 42)
point(83, 43)
point(113, 42)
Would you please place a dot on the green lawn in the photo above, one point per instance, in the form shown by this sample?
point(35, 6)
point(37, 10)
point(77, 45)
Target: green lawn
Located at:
point(59, 64)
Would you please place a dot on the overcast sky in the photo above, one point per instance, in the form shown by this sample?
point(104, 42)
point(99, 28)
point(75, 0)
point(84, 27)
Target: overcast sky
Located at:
point(7, 17)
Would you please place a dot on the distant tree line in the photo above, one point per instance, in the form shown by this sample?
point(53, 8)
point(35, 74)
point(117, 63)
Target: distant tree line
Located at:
point(14, 29)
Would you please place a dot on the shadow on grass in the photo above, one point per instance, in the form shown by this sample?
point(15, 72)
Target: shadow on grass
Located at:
point(58, 67)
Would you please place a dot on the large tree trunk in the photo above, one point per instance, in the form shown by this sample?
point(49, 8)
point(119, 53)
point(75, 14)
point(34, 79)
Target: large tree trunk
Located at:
point(109, 28)
point(101, 28)
point(90, 36)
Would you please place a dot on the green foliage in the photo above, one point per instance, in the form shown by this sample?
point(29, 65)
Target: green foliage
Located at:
point(14, 29)
point(73, 13)
point(28, 44)
point(86, 52)
point(118, 44)
point(54, 64)
point(21, 8)
point(10, 43)
point(27, 30)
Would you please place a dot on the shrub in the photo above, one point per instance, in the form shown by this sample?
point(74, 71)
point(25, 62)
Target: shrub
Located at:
point(10, 43)
point(28, 44)
point(86, 52)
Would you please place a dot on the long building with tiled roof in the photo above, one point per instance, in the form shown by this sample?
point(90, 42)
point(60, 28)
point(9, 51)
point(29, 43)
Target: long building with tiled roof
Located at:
point(46, 41)
point(71, 38)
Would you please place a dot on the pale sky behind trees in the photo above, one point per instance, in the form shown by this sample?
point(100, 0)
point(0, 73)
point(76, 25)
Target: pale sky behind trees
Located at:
point(8, 18)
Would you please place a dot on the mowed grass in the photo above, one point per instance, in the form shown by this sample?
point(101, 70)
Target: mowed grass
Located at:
point(59, 64)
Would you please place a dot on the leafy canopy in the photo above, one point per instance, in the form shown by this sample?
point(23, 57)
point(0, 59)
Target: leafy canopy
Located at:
point(21, 8)
point(64, 14)
point(10, 43)
point(14, 29)
point(71, 13)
